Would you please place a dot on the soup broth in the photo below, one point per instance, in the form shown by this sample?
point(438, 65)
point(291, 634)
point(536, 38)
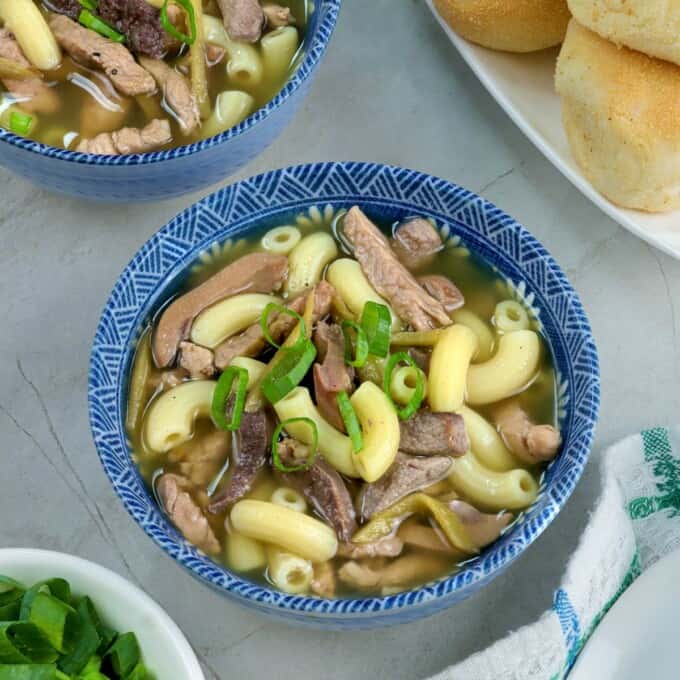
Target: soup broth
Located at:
point(89, 104)
point(419, 514)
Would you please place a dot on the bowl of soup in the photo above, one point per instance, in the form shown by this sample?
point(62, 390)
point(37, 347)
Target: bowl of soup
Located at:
point(133, 100)
point(350, 398)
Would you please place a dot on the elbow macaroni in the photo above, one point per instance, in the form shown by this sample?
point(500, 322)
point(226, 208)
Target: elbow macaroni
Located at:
point(290, 573)
point(170, 418)
point(289, 498)
point(449, 365)
point(510, 316)
point(486, 442)
point(334, 446)
point(281, 240)
point(278, 50)
point(254, 367)
point(484, 334)
point(229, 317)
point(290, 530)
point(494, 491)
point(380, 427)
point(243, 553)
point(403, 384)
point(508, 372)
point(307, 260)
point(231, 108)
point(24, 20)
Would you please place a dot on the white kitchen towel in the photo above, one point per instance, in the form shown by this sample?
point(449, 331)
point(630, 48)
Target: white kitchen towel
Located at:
point(635, 523)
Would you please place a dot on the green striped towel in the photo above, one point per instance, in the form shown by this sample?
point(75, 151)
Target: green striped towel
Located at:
point(635, 523)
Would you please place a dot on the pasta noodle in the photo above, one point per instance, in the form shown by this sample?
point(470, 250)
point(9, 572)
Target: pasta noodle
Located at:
point(281, 240)
point(307, 260)
point(289, 573)
point(403, 383)
point(243, 553)
point(254, 367)
point(292, 531)
point(231, 108)
point(485, 336)
point(486, 442)
point(510, 316)
point(289, 498)
point(278, 49)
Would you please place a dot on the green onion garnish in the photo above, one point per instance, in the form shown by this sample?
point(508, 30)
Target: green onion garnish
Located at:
point(89, 20)
point(376, 321)
point(287, 374)
point(276, 457)
point(223, 391)
point(171, 29)
point(57, 620)
point(349, 417)
point(361, 349)
point(280, 309)
point(89, 4)
point(22, 642)
point(123, 655)
point(20, 123)
point(419, 391)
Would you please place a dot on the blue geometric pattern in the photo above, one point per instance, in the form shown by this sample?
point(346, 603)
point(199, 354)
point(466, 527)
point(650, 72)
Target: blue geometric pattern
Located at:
point(388, 193)
point(159, 174)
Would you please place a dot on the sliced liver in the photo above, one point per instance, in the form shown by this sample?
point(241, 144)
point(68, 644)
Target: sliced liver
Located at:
point(428, 434)
point(415, 243)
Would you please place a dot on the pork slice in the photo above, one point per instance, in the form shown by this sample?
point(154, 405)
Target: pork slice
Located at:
point(201, 458)
point(277, 16)
point(421, 357)
point(427, 434)
point(333, 375)
point(177, 93)
point(444, 290)
point(185, 513)
point(243, 19)
point(247, 344)
point(34, 94)
point(324, 582)
point(129, 140)
point(324, 488)
point(91, 49)
point(254, 273)
point(416, 242)
point(199, 361)
point(250, 457)
point(214, 54)
point(389, 277)
point(482, 528)
point(407, 475)
point(139, 21)
point(385, 547)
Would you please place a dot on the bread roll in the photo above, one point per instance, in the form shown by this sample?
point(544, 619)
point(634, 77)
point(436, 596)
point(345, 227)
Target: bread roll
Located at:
point(510, 25)
point(621, 112)
point(651, 26)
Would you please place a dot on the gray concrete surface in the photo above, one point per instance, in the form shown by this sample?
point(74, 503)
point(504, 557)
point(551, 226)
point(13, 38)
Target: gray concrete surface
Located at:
point(392, 89)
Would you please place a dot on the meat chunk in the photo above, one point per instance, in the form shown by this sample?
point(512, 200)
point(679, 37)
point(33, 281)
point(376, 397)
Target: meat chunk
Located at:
point(483, 529)
point(529, 442)
point(415, 243)
point(255, 273)
point(333, 375)
point(421, 357)
point(412, 533)
point(128, 140)
point(444, 290)
point(389, 277)
point(324, 582)
point(405, 571)
point(196, 359)
point(407, 474)
point(185, 513)
point(34, 95)
point(214, 54)
point(176, 92)
point(91, 49)
point(323, 487)
point(140, 22)
point(243, 19)
point(277, 16)
point(428, 434)
point(385, 547)
point(251, 342)
point(250, 457)
point(201, 458)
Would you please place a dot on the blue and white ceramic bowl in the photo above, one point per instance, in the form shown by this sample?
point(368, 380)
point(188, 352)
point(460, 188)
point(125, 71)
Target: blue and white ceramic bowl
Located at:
point(317, 191)
point(164, 174)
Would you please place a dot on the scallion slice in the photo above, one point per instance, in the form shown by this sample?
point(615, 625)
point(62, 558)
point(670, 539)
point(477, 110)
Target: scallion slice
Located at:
point(276, 456)
point(89, 4)
point(223, 391)
point(171, 29)
point(419, 391)
point(20, 123)
point(361, 346)
point(123, 655)
point(376, 321)
point(280, 309)
point(89, 20)
point(349, 417)
point(287, 374)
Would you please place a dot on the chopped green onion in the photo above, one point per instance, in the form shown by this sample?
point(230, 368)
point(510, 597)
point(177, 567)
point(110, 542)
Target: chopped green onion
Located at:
point(89, 20)
point(57, 620)
point(57, 587)
point(89, 4)
point(11, 594)
point(87, 641)
point(31, 672)
point(287, 374)
point(280, 309)
point(123, 655)
point(140, 672)
point(276, 456)
point(222, 393)
point(23, 642)
point(349, 417)
point(419, 391)
point(20, 123)
point(171, 29)
point(361, 349)
point(376, 321)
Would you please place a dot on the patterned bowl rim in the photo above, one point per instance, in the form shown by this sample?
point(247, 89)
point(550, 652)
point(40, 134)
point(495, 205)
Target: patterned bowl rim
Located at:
point(301, 187)
point(318, 40)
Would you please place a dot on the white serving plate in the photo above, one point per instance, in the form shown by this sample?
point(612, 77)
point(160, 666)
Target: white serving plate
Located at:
point(523, 85)
point(638, 638)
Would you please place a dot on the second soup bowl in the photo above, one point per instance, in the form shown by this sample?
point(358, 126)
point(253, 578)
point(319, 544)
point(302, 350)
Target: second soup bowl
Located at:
point(312, 194)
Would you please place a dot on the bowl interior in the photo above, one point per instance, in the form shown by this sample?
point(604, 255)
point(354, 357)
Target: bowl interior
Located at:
point(465, 220)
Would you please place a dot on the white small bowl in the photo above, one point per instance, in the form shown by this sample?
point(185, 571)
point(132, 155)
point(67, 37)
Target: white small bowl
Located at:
point(124, 607)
